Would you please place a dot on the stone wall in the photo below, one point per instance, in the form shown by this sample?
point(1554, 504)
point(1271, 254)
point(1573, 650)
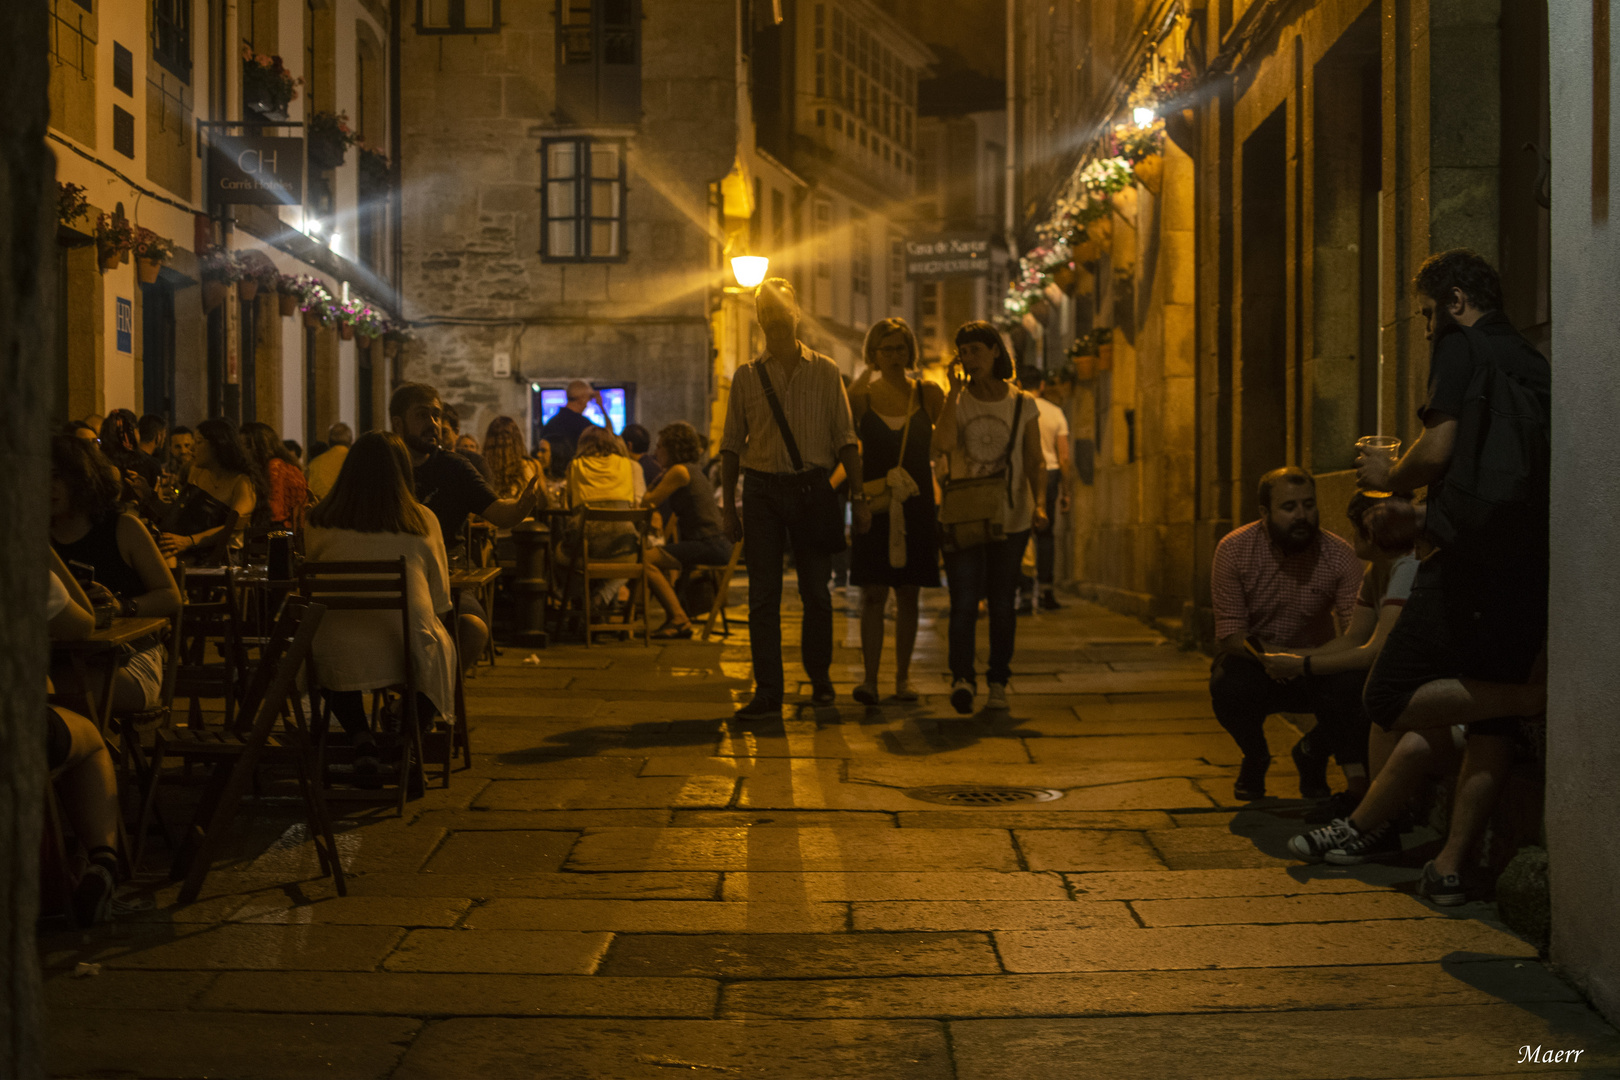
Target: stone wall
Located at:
point(474, 112)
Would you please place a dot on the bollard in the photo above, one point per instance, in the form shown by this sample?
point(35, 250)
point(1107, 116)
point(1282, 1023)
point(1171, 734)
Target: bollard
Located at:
point(531, 586)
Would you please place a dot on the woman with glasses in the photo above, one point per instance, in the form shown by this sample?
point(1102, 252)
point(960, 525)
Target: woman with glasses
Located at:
point(894, 413)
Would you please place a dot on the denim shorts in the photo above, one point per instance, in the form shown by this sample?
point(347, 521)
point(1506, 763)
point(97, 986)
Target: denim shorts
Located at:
point(707, 551)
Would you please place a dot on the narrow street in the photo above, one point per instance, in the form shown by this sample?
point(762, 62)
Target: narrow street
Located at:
point(626, 886)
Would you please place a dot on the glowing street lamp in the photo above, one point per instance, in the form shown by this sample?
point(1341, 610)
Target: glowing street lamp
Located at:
point(749, 270)
point(1142, 115)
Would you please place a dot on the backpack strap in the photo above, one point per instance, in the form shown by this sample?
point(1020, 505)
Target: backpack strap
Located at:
point(781, 418)
point(1012, 441)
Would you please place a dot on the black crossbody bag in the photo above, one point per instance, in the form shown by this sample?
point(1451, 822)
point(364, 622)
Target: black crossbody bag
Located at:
point(818, 525)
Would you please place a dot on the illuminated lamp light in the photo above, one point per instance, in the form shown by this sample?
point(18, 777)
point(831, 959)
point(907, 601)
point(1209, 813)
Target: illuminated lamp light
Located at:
point(1142, 115)
point(749, 270)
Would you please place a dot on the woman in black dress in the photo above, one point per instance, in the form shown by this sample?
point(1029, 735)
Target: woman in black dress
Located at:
point(894, 414)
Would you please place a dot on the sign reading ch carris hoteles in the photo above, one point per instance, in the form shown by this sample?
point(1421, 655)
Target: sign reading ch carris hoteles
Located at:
point(957, 255)
point(257, 169)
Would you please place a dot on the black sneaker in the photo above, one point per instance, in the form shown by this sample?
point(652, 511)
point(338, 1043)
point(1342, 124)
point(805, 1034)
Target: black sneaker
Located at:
point(1251, 781)
point(93, 895)
point(1318, 842)
point(1312, 770)
point(1338, 805)
point(1049, 601)
point(1379, 842)
point(759, 709)
point(822, 695)
point(962, 696)
point(1445, 890)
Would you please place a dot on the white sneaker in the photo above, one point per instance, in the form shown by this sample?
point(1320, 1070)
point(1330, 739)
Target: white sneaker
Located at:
point(905, 690)
point(997, 698)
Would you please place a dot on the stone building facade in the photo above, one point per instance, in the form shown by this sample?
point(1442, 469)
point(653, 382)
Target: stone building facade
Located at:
point(1259, 300)
point(708, 135)
point(138, 89)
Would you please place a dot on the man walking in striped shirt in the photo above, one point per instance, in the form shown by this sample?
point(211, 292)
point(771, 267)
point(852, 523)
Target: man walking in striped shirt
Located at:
point(1279, 584)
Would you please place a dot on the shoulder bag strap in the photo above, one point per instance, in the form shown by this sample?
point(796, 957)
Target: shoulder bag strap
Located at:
point(905, 435)
point(1012, 441)
point(781, 418)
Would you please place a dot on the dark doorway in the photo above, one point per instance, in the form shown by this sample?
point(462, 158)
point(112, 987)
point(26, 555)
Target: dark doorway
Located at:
point(364, 390)
point(310, 427)
point(1263, 315)
point(157, 348)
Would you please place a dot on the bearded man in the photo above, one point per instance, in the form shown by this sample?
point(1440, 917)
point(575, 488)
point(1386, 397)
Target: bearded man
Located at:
point(1278, 584)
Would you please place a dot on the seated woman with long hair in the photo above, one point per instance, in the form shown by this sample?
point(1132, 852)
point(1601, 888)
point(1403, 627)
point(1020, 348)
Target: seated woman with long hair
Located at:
point(510, 466)
point(602, 477)
point(222, 479)
point(700, 538)
point(285, 493)
point(91, 530)
point(370, 514)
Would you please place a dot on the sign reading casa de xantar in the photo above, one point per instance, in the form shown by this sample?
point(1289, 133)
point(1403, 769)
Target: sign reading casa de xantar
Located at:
point(256, 169)
point(956, 255)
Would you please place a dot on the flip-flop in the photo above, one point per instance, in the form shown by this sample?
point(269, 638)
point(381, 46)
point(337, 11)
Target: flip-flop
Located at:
point(672, 633)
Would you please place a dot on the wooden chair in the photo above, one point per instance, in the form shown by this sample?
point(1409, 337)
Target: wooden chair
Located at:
point(600, 569)
point(379, 585)
point(480, 538)
point(722, 576)
point(211, 618)
point(236, 754)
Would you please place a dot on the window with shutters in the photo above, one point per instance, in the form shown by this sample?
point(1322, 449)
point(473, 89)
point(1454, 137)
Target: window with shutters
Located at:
point(582, 208)
point(171, 36)
point(599, 61)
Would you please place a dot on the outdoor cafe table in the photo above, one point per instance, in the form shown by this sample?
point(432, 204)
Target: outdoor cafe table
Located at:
point(106, 644)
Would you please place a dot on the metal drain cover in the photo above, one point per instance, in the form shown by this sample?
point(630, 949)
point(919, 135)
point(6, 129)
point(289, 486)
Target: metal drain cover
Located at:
point(981, 794)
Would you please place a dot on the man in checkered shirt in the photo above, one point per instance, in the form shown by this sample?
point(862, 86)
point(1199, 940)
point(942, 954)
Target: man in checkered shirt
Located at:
point(1285, 582)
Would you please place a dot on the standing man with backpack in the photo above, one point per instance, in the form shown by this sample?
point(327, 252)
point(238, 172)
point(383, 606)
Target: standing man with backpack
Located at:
point(1467, 648)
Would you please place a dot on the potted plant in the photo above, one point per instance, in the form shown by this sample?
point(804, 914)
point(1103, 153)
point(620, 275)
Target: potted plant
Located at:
point(287, 296)
point(1083, 357)
point(151, 252)
point(267, 86)
point(1103, 337)
point(220, 270)
point(396, 334)
point(369, 325)
point(114, 238)
point(375, 170)
point(317, 304)
point(71, 203)
point(329, 139)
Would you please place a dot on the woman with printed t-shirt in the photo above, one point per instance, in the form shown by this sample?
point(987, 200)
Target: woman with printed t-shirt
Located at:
point(989, 433)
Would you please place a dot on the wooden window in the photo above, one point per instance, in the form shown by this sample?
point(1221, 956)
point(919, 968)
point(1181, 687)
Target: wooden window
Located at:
point(582, 205)
point(171, 36)
point(458, 16)
point(599, 61)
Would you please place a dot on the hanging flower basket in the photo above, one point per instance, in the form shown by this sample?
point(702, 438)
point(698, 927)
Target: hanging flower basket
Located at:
point(1085, 367)
point(346, 331)
point(151, 252)
point(363, 341)
point(247, 289)
point(288, 304)
point(114, 238)
point(1066, 278)
point(267, 86)
point(1040, 308)
point(329, 139)
point(1150, 173)
point(313, 320)
point(147, 270)
point(1087, 250)
point(390, 348)
point(1105, 348)
point(375, 171)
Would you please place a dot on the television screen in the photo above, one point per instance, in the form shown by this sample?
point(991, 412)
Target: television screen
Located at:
point(553, 398)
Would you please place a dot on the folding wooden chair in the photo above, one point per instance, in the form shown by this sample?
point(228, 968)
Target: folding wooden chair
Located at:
point(373, 586)
point(272, 696)
point(601, 569)
point(722, 576)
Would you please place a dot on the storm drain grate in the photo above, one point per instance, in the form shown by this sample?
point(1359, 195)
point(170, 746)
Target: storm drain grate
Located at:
point(982, 794)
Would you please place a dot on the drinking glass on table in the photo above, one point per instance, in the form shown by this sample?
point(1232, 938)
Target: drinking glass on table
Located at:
point(1384, 447)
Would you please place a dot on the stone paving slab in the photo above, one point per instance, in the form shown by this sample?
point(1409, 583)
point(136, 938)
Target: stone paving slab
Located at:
point(634, 792)
point(658, 1049)
point(217, 948)
point(1383, 986)
point(784, 819)
point(1328, 907)
point(121, 1042)
point(660, 916)
point(516, 852)
point(278, 908)
point(1060, 816)
point(429, 994)
point(1393, 941)
point(628, 886)
point(538, 952)
point(1212, 748)
point(990, 915)
point(753, 887)
point(786, 849)
point(800, 956)
point(1456, 1040)
point(1083, 849)
point(553, 820)
point(117, 989)
point(531, 762)
point(1192, 884)
point(1059, 774)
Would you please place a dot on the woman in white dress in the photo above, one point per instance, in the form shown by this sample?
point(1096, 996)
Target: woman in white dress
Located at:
point(370, 514)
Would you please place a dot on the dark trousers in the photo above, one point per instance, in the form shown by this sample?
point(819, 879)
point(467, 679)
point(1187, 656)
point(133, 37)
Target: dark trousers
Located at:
point(767, 535)
point(988, 572)
point(1046, 539)
point(1244, 695)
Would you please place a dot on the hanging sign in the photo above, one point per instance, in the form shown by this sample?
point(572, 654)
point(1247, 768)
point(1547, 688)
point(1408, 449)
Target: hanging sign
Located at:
point(257, 169)
point(958, 255)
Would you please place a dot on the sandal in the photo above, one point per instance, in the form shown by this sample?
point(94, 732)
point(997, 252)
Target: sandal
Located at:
point(866, 693)
point(671, 632)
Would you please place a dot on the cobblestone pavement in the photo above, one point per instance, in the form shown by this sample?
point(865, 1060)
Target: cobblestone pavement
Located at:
point(627, 885)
